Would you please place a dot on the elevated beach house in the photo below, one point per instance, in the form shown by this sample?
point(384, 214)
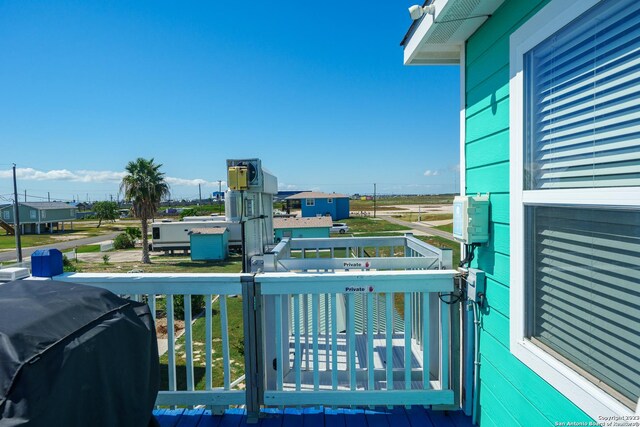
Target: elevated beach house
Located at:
point(550, 128)
point(38, 217)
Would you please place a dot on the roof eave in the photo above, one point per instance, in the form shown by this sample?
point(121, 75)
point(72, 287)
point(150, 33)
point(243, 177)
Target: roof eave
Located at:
point(438, 39)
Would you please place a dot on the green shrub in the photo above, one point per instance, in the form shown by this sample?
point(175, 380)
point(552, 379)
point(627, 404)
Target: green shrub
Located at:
point(133, 233)
point(123, 241)
point(67, 265)
point(197, 304)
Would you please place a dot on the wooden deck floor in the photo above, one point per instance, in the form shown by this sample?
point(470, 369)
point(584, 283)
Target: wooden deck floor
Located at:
point(314, 417)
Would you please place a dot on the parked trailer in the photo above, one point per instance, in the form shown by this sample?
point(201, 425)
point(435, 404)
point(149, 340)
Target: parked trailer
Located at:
point(212, 217)
point(168, 236)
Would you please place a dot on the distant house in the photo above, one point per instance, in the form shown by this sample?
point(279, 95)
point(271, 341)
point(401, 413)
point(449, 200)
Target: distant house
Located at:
point(315, 203)
point(302, 227)
point(40, 217)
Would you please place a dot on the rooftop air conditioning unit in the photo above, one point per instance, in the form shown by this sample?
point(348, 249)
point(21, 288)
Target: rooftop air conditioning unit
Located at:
point(13, 273)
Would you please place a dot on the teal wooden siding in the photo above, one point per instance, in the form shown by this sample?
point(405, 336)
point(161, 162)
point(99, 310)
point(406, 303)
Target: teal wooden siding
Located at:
point(510, 392)
point(208, 247)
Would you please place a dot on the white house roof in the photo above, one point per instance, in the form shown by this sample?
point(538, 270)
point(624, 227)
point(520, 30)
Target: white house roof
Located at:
point(438, 39)
point(213, 230)
point(312, 222)
point(316, 195)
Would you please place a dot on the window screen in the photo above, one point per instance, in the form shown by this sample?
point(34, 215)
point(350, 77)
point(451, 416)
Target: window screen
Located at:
point(582, 102)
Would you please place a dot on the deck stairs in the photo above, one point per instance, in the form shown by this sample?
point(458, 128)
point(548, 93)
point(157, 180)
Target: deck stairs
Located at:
point(8, 228)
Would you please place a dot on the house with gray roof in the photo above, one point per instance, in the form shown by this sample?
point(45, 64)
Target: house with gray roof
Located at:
point(38, 217)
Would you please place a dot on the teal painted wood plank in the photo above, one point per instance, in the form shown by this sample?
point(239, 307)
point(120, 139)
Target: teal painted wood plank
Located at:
point(375, 418)
point(512, 398)
point(487, 151)
point(504, 20)
point(488, 179)
point(488, 121)
point(491, 404)
point(485, 420)
point(487, 92)
point(499, 237)
point(334, 417)
point(497, 297)
point(495, 324)
point(190, 418)
point(499, 210)
point(482, 68)
point(495, 265)
point(547, 399)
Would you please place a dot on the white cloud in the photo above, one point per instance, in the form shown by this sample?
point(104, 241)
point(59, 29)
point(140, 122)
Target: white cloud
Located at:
point(88, 176)
point(285, 187)
point(430, 172)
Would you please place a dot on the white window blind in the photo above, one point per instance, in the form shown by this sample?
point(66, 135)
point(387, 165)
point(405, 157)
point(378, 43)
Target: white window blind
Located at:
point(585, 288)
point(582, 102)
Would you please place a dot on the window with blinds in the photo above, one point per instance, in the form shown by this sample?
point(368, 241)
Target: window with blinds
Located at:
point(584, 277)
point(582, 102)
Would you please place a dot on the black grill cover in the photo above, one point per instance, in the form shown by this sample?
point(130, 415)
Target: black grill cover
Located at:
point(75, 355)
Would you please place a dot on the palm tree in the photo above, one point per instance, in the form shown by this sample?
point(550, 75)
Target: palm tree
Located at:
point(145, 187)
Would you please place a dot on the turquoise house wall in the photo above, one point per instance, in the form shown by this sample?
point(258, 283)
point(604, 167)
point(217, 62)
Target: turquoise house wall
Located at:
point(510, 392)
point(312, 232)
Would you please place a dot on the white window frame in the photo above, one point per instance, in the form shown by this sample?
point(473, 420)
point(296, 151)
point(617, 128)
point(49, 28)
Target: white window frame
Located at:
point(594, 401)
point(6, 214)
point(43, 214)
point(33, 214)
point(310, 202)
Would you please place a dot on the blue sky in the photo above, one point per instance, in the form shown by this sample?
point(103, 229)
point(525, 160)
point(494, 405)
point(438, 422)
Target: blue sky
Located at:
point(317, 91)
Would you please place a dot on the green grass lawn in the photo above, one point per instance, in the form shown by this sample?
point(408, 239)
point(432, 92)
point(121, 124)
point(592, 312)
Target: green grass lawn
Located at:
point(445, 227)
point(369, 225)
point(162, 264)
point(88, 249)
point(383, 202)
point(79, 231)
point(413, 216)
point(236, 349)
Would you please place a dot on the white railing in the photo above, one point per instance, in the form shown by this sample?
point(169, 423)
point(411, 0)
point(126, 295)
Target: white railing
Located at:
point(356, 253)
point(341, 338)
point(161, 290)
point(369, 362)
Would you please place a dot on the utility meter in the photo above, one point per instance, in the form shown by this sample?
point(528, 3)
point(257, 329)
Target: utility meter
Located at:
point(471, 219)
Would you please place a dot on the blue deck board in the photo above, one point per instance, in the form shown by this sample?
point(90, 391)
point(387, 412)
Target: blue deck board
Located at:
point(334, 417)
point(397, 417)
point(190, 418)
point(315, 417)
point(376, 417)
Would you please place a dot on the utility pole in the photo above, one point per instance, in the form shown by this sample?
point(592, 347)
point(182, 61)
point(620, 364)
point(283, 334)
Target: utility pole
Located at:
point(374, 200)
point(48, 196)
point(220, 196)
point(16, 216)
point(25, 196)
point(199, 194)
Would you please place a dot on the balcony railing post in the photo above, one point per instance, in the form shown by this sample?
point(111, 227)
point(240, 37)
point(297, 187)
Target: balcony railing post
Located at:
point(251, 310)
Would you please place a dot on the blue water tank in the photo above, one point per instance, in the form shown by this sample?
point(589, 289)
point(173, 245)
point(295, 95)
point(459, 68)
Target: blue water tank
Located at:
point(46, 263)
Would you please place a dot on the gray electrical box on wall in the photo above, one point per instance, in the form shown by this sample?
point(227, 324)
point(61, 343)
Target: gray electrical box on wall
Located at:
point(471, 219)
point(475, 284)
